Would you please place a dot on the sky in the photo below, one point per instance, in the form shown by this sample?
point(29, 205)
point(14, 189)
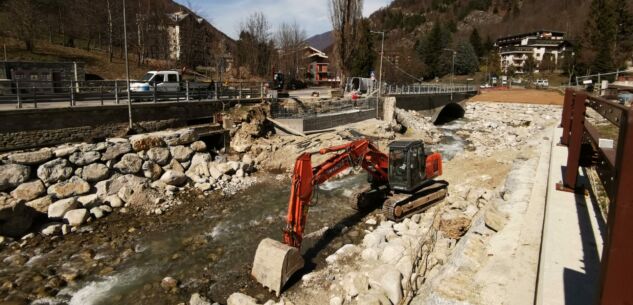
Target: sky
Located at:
point(312, 15)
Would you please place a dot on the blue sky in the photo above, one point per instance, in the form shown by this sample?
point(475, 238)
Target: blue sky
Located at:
point(312, 15)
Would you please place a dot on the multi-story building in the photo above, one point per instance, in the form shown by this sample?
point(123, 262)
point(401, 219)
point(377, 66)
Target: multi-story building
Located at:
point(548, 48)
point(318, 65)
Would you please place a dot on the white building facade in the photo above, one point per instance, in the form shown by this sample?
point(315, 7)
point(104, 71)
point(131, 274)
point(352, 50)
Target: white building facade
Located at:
point(548, 48)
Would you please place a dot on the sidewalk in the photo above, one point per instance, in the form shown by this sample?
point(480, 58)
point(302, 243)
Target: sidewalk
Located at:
point(569, 266)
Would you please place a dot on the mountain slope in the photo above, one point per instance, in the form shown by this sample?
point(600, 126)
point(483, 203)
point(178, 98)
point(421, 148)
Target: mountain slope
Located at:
point(321, 41)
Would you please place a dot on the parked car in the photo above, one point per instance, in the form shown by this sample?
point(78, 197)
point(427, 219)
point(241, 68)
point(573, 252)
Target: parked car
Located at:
point(541, 83)
point(165, 81)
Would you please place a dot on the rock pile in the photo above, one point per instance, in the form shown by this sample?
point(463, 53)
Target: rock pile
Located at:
point(74, 184)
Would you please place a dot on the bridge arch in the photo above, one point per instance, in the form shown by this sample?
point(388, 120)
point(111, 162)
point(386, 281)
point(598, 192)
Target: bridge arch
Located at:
point(450, 112)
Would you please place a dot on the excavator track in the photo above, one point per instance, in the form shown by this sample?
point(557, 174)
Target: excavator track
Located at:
point(401, 206)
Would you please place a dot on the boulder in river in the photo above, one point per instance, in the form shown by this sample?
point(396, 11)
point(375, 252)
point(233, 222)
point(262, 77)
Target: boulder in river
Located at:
point(76, 217)
point(60, 207)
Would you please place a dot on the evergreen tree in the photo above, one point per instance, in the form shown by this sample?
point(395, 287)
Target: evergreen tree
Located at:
point(431, 51)
point(475, 41)
point(466, 60)
point(601, 36)
point(363, 56)
point(624, 30)
point(529, 66)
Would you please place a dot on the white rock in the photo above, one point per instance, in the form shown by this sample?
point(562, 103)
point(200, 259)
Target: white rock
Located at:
point(116, 150)
point(196, 299)
point(12, 175)
point(31, 158)
point(114, 201)
point(59, 208)
point(387, 278)
point(373, 239)
point(182, 153)
point(52, 171)
point(97, 212)
point(370, 254)
point(76, 217)
point(81, 158)
point(174, 178)
point(199, 146)
point(52, 229)
point(151, 170)
point(41, 204)
point(336, 301)
point(160, 155)
point(73, 187)
point(354, 284)
point(95, 172)
point(371, 221)
point(240, 299)
point(89, 200)
point(392, 253)
point(64, 151)
point(129, 164)
point(106, 208)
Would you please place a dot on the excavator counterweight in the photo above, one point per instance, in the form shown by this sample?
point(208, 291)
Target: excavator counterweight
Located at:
point(403, 180)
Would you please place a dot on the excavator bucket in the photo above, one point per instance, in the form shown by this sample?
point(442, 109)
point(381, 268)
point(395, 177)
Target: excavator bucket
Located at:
point(275, 263)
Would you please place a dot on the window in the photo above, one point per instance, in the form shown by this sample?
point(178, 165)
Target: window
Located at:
point(398, 167)
point(160, 78)
point(172, 78)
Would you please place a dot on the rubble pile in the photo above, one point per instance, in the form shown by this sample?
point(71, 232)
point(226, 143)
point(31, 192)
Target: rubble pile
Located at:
point(74, 184)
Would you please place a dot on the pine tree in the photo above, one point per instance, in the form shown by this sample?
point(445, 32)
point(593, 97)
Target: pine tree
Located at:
point(466, 60)
point(432, 53)
point(624, 30)
point(602, 35)
point(475, 41)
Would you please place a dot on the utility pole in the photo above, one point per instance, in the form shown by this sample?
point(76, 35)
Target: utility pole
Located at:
point(453, 72)
point(382, 53)
point(127, 67)
point(5, 52)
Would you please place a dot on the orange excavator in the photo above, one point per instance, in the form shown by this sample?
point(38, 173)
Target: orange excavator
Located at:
point(402, 180)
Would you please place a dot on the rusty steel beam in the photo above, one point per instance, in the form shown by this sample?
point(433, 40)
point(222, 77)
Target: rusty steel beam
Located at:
point(617, 257)
point(574, 143)
point(566, 117)
point(608, 154)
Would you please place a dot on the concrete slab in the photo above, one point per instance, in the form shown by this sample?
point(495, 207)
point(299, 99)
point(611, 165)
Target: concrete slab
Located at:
point(569, 266)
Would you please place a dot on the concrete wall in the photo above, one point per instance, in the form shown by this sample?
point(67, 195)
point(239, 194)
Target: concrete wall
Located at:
point(307, 125)
point(430, 105)
point(29, 128)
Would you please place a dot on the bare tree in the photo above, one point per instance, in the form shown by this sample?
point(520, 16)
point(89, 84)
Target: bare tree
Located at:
point(290, 41)
point(25, 25)
point(255, 46)
point(346, 17)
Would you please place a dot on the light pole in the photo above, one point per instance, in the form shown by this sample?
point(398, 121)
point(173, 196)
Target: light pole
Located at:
point(382, 52)
point(127, 68)
point(453, 72)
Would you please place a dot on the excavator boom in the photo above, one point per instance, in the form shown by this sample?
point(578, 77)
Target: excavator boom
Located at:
point(276, 262)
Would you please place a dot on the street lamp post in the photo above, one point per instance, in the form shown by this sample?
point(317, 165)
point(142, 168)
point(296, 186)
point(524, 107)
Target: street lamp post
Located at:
point(127, 67)
point(453, 72)
point(382, 52)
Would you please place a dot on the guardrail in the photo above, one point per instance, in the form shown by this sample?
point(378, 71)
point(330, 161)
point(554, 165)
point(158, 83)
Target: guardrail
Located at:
point(616, 173)
point(29, 93)
point(419, 89)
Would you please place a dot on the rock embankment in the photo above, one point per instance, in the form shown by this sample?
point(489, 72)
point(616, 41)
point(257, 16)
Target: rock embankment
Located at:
point(73, 184)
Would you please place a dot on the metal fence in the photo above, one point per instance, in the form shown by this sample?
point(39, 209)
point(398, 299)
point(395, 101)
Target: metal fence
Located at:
point(427, 88)
point(25, 93)
point(615, 168)
point(299, 110)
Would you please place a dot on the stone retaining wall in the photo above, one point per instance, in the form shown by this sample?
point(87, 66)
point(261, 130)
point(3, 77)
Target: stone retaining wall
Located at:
point(30, 128)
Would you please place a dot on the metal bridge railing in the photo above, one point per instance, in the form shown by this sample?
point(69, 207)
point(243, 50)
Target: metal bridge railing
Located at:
point(614, 164)
point(428, 88)
point(26, 93)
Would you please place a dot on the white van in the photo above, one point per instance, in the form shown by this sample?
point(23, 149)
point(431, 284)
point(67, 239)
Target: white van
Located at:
point(165, 81)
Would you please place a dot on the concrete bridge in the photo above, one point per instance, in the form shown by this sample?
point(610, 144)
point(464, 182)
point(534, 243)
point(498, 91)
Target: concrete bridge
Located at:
point(441, 102)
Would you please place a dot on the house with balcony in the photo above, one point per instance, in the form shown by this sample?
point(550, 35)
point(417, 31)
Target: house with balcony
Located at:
point(548, 48)
point(318, 66)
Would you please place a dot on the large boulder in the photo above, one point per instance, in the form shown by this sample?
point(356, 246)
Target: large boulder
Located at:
point(76, 217)
point(32, 158)
point(41, 204)
point(64, 151)
point(151, 170)
point(179, 137)
point(29, 191)
point(238, 298)
point(388, 279)
point(199, 146)
point(15, 217)
point(199, 165)
point(12, 175)
point(182, 153)
point(196, 299)
point(82, 158)
point(72, 187)
point(176, 166)
point(95, 172)
point(59, 208)
point(174, 178)
point(54, 171)
point(129, 164)
point(145, 142)
point(160, 155)
point(116, 150)
point(113, 186)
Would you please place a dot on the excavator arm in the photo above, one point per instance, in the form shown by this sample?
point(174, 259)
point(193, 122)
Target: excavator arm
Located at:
point(305, 178)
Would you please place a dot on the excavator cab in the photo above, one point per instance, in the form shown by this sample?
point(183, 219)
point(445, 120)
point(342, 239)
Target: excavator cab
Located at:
point(407, 166)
